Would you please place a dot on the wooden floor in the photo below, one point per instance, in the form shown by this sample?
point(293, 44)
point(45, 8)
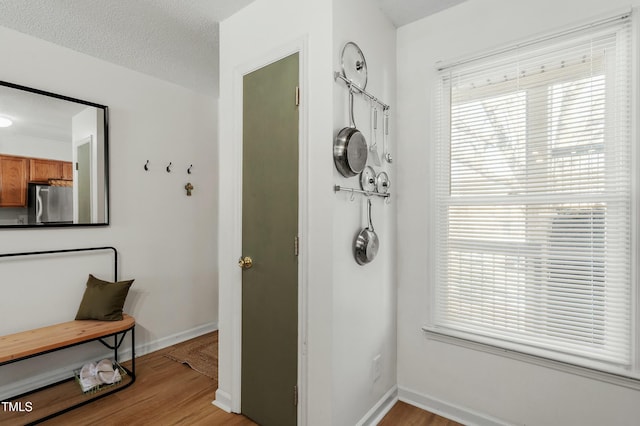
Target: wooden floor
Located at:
point(408, 415)
point(165, 393)
point(168, 393)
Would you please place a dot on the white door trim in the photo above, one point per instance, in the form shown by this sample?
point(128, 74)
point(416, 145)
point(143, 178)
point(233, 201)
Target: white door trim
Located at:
point(297, 46)
point(74, 161)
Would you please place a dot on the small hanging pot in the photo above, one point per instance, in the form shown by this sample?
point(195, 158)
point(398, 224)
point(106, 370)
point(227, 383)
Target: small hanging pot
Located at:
point(366, 244)
point(350, 147)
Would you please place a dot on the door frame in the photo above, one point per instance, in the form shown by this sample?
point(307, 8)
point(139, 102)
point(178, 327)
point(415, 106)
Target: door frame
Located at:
point(297, 46)
point(76, 196)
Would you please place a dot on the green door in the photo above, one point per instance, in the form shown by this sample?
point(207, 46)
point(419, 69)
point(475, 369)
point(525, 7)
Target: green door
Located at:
point(269, 238)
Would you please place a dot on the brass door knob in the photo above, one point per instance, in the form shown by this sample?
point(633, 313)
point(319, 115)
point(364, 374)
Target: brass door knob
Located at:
point(245, 262)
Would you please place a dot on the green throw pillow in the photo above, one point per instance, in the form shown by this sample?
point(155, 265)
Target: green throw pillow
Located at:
point(103, 300)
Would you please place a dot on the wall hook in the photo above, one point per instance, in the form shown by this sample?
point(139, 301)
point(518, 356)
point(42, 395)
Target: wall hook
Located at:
point(189, 169)
point(169, 168)
point(146, 166)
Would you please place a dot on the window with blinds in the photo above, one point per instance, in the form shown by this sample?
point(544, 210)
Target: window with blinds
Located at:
point(533, 195)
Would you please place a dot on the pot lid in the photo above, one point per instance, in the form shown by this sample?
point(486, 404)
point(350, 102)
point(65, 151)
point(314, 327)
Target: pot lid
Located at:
point(368, 179)
point(382, 183)
point(354, 66)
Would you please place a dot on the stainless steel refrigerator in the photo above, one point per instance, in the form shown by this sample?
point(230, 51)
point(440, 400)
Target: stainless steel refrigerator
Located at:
point(50, 204)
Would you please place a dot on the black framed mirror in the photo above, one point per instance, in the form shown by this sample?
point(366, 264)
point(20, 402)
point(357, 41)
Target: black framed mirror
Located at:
point(54, 162)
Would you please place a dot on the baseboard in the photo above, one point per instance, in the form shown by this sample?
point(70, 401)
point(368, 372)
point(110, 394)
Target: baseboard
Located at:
point(65, 372)
point(448, 410)
point(223, 400)
point(147, 348)
point(382, 407)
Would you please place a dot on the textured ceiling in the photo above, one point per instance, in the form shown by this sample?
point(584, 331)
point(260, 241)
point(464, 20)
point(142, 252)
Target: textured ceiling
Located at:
point(172, 40)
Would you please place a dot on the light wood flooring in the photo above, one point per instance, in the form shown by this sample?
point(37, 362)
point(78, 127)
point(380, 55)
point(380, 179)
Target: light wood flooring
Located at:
point(408, 415)
point(165, 392)
point(169, 393)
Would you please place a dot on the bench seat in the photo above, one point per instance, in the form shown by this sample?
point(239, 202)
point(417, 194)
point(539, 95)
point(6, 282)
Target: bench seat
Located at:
point(14, 347)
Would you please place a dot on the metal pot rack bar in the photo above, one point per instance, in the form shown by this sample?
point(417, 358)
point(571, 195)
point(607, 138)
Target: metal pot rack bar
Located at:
point(358, 89)
point(338, 188)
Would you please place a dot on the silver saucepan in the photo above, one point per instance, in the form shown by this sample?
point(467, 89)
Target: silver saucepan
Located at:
point(366, 244)
point(350, 147)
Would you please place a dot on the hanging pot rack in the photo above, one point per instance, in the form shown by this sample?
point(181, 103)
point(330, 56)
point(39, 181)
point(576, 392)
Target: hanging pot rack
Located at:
point(357, 89)
point(354, 75)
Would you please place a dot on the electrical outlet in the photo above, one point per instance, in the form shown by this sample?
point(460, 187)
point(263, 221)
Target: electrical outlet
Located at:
point(377, 361)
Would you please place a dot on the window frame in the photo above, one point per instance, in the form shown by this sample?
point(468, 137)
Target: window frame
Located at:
point(568, 363)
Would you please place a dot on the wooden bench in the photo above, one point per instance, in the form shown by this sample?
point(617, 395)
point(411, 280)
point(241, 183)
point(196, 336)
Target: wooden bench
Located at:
point(28, 344)
point(18, 346)
point(32, 343)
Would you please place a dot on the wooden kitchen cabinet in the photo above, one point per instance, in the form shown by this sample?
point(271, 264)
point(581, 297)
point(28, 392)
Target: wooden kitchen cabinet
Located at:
point(17, 172)
point(41, 170)
point(13, 181)
point(67, 170)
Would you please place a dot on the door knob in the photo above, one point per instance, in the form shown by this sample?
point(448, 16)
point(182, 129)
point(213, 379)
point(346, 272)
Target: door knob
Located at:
point(245, 262)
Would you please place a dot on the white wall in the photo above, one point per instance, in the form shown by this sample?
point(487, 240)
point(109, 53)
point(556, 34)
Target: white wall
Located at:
point(364, 297)
point(167, 241)
point(476, 386)
point(30, 146)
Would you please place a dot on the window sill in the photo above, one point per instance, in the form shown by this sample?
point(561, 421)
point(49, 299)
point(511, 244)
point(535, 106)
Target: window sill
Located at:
point(628, 382)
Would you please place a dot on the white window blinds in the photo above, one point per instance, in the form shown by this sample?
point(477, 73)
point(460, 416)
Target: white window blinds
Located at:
point(533, 196)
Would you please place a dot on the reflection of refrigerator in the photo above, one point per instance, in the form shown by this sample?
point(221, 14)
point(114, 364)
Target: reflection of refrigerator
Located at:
point(50, 204)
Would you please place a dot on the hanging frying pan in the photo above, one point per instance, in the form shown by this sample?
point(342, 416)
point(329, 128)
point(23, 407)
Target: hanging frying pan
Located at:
point(350, 147)
point(366, 244)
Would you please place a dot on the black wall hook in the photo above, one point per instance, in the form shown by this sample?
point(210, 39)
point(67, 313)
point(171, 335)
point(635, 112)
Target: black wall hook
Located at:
point(189, 169)
point(146, 166)
point(169, 168)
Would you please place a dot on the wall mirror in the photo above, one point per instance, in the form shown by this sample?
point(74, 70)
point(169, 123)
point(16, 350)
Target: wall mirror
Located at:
point(53, 159)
